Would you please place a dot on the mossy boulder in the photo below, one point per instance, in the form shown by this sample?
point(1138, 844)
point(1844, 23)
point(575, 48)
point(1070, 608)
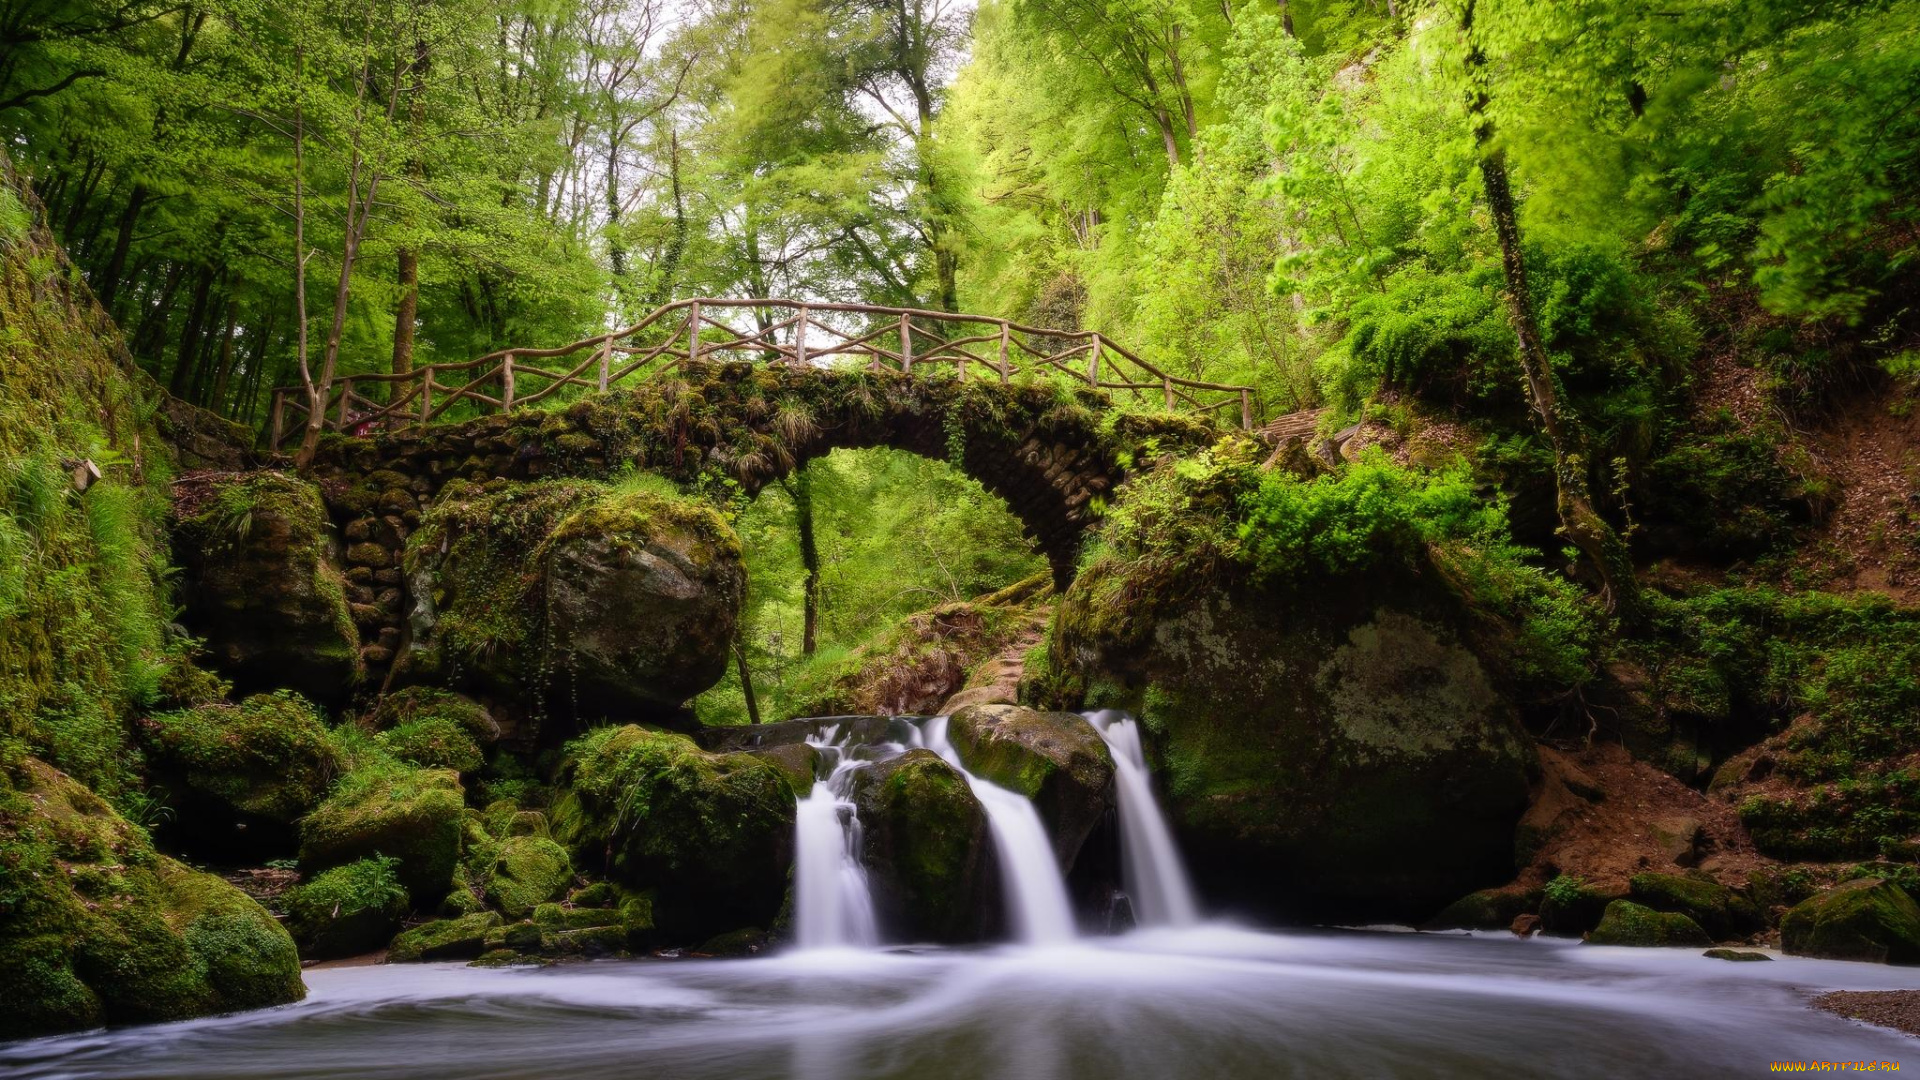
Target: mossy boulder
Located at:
point(463, 938)
point(347, 910)
point(262, 583)
point(430, 704)
point(238, 777)
point(1056, 759)
point(434, 743)
point(1867, 919)
point(527, 870)
point(711, 833)
point(382, 808)
point(97, 928)
point(1332, 750)
point(570, 596)
point(925, 847)
point(1719, 910)
point(1628, 923)
point(1486, 909)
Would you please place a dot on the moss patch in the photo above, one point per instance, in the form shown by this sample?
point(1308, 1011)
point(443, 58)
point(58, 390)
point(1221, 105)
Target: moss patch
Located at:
point(269, 756)
point(1867, 919)
point(463, 938)
point(1627, 923)
point(95, 927)
point(384, 808)
point(925, 837)
point(263, 583)
point(713, 832)
point(347, 910)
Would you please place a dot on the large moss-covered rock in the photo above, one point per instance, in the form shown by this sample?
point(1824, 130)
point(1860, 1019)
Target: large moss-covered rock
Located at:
point(413, 815)
point(96, 928)
point(1628, 923)
point(262, 583)
point(239, 777)
point(926, 848)
point(1335, 750)
point(712, 834)
point(1720, 911)
point(566, 596)
point(1868, 919)
point(1054, 758)
point(347, 910)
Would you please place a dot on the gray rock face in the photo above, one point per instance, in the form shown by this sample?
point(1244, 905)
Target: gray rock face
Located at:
point(569, 597)
point(1334, 753)
point(263, 584)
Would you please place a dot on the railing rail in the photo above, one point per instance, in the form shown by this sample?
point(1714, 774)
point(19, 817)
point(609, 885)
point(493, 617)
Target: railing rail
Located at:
point(783, 331)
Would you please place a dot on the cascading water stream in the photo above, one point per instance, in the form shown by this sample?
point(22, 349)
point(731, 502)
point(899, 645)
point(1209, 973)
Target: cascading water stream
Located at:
point(833, 905)
point(1030, 873)
point(1150, 863)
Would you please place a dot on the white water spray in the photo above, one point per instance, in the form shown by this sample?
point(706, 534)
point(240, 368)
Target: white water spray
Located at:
point(833, 906)
point(1149, 861)
point(1030, 873)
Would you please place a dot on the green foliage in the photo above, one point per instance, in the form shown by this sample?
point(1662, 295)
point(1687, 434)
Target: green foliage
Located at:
point(347, 909)
point(99, 928)
point(84, 579)
point(895, 534)
point(16, 221)
point(1566, 890)
point(1842, 670)
point(434, 744)
point(1373, 511)
point(269, 755)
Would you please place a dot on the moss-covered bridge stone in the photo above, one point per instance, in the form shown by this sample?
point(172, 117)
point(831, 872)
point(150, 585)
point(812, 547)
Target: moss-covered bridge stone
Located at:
point(1049, 452)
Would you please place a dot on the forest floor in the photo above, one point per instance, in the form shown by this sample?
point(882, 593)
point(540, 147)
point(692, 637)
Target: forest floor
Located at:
point(1866, 448)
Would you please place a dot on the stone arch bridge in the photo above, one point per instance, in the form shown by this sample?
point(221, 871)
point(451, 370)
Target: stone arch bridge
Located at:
point(1026, 411)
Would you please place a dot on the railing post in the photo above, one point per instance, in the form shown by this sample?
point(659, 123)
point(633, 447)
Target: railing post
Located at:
point(1246, 411)
point(1004, 373)
point(906, 345)
point(426, 395)
point(1166, 383)
point(506, 382)
point(278, 425)
point(346, 403)
point(693, 331)
point(606, 360)
point(800, 339)
point(1093, 363)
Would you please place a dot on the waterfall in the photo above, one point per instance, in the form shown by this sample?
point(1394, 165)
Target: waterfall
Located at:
point(833, 906)
point(1030, 873)
point(1149, 862)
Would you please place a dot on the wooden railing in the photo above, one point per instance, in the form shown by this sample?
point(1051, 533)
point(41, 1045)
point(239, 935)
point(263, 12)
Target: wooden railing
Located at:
point(784, 331)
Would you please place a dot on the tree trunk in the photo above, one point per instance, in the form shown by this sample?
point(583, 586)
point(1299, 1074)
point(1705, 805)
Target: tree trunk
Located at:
point(109, 283)
point(217, 401)
point(182, 381)
point(1579, 520)
point(406, 313)
point(801, 492)
point(746, 680)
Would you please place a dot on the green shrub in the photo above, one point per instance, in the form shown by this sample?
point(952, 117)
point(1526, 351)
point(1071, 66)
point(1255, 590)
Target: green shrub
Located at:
point(1372, 512)
point(346, 910)
point(435, 743)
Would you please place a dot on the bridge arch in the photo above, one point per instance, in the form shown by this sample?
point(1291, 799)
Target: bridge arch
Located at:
point(1051, 453)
